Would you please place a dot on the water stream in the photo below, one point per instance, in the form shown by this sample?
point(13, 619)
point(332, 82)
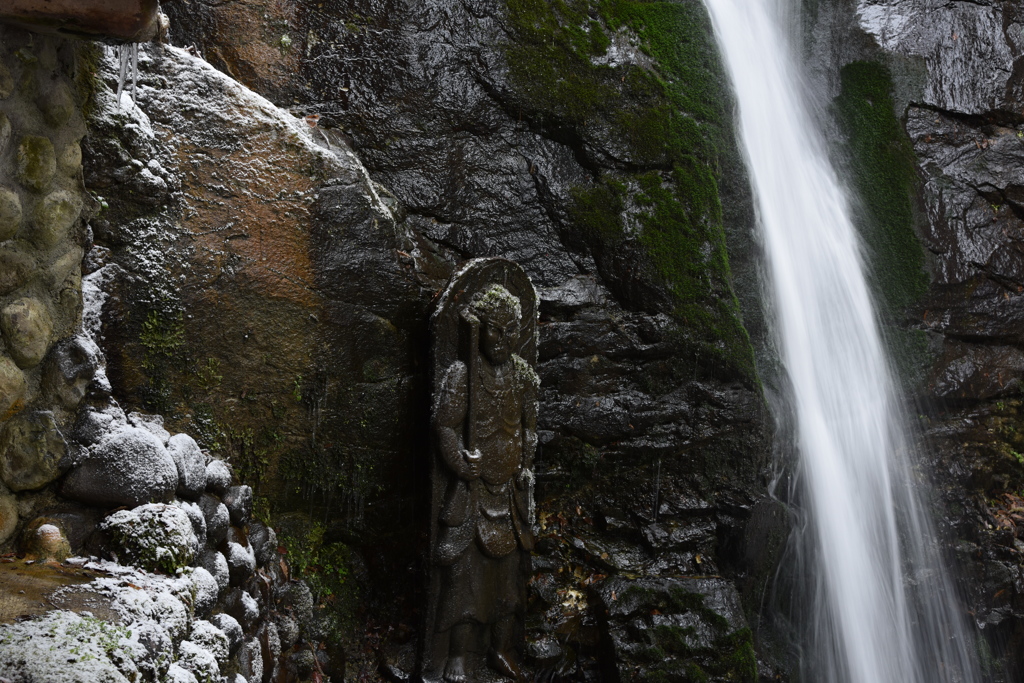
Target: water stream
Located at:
point(883, 607)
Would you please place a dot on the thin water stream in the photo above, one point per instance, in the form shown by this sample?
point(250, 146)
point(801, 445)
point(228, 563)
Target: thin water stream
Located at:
point(883, 607)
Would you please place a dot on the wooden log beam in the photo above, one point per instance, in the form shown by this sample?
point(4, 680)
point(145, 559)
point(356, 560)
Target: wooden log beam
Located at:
point(131, 21)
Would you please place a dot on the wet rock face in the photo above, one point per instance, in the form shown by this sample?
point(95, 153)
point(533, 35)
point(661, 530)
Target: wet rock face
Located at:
point(653, 430)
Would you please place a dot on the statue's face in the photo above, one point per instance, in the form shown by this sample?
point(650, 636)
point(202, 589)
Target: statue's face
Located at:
point(496, 343)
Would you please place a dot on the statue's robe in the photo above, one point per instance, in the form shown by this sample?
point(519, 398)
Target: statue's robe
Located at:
point(484, 526)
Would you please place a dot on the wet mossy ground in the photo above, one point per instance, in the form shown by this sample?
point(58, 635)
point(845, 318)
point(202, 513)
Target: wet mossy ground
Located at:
point(637, 87)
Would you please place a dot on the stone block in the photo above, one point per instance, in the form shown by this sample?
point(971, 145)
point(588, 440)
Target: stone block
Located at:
point(36, 162)
point(154, 536)
point(57, 105)
point(54, 217)
point(28, 329)
point(8, 515)
point(10, 208)
point(15, 269)
point(69, 368)
point(31, 450)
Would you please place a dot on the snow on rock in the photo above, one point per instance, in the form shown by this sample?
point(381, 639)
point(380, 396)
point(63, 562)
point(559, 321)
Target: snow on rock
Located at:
point(216, 564)
point(154, 424)
point(210, 638)
point(154, 536)
point(191, 465)
point(206, 590)
point(177, 674)
point(68, 647)
point(217, 519)
point(230, 627)
point(218, 476)
point(129, 467)
point(199, 661)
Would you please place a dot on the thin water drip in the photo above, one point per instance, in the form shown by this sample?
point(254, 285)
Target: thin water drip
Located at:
point(867, 529)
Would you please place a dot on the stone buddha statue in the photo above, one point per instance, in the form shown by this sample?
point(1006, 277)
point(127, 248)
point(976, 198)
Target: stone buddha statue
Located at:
point(484, 428)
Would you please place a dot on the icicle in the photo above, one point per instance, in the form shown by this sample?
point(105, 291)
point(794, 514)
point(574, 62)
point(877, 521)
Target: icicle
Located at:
point(128, 55)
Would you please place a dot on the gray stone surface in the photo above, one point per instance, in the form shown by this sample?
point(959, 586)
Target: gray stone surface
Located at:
point(154, 536)
point(218, 476)
point(241, 560)
point(217, 519)
point(27, 327)
point(191, 466)
point(212, 638)
point(69, 368)
point(238, 500)
point(250, 661)
point(216, 564)
point(10, 211)
point(243, 608)
point(230, 627)
point(12, 387)
point(31, 451)
point(130, 467)
point(206, 592)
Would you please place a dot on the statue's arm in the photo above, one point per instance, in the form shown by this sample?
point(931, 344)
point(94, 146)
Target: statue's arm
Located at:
point(451, 412)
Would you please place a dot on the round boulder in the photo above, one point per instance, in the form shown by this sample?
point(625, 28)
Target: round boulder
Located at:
point(243, 608)
point(210, 638)
point(206, 591)
point(263, 540)
point(15, 269)
point(28, 328)
point(36, 162)
point(238, 500)
point(217, 519)
point(191, 464)
point(129, 467)
point(214, 562)
point(241, 562)
point(250, 661)
point(218, 477)
point(200, 662)
point(230, 627)
point(31, 451)
point(154, 536)
point(70, 366)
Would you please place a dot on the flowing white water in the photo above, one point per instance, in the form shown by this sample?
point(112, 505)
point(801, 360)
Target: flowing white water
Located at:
point(868, 529)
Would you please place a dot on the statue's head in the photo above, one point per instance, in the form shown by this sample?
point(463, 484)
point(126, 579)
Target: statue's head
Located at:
point(500, 315)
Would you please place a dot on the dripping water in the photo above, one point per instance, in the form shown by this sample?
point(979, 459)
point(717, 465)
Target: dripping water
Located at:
point(882, 608)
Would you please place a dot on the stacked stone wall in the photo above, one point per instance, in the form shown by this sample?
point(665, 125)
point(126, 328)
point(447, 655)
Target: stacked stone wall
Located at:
point(43, 93)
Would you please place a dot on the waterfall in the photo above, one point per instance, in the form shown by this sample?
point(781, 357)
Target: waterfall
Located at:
point(884, 610)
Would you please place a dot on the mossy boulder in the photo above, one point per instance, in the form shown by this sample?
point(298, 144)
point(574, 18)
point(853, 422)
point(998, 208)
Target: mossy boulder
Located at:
point(36, 162)
point(27, 327)
point(54, 216)
point(31, 451)
point(155, 536)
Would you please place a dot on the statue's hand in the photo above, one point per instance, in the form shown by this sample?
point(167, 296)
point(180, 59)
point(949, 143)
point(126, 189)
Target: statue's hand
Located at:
point(524, 479)
point(471, 461)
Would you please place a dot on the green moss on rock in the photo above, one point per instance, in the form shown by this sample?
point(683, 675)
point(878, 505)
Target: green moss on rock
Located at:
point(662, 112)
point(36, 162)
point(885, 179)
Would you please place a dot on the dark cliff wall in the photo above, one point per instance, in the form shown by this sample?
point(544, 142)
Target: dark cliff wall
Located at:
point(928, 102)
point(283, 316)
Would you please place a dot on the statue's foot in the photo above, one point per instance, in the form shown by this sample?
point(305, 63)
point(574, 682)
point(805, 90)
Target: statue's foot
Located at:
point(455, 670)
point(504, 664)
